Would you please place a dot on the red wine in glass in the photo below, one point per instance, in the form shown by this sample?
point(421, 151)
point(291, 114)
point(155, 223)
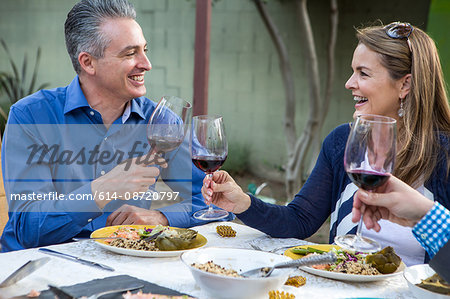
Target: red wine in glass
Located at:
point(168, 124)
point(368, 160)
point(208, 164)
point(164, 145)
point(366, 179)
point(209, 152)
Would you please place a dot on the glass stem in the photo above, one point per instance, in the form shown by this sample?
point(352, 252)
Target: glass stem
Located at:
point(210, 207)
point(358, 229)
point(360, 223)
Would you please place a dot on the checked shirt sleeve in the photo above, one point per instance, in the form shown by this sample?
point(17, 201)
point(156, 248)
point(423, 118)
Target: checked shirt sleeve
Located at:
point(433, 230)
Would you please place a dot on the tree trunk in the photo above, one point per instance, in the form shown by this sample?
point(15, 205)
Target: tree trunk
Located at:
point(334, 17)
point(296, 163)
point(298, 148)
point(286, 73)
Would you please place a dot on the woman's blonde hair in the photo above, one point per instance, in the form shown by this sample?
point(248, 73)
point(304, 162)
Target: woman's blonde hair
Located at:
point(425, 126)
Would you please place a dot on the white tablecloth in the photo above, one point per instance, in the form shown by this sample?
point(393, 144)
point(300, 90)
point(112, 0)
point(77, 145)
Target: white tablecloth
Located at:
point(172, 273)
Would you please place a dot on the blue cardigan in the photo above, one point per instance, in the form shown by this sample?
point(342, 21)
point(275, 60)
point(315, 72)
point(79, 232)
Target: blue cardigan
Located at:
point(318, 198)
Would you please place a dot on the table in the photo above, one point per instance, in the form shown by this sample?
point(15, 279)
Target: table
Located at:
point(172, 273)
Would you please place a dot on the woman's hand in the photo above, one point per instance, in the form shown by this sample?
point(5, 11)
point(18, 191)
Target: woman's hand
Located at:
point(395, 201)
point(223, 191)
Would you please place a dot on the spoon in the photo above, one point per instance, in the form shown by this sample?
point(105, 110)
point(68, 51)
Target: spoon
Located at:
point(325, 258)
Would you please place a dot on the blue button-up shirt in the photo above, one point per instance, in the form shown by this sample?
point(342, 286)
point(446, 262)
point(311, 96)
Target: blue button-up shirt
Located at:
point(55, 144)
point(433, 230)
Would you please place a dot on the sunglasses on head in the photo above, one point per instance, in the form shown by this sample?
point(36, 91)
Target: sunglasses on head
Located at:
point(400, 30)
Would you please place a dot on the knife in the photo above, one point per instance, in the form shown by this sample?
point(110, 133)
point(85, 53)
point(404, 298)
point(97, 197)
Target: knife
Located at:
point(75, 259)
point(98, 238)
point(28, 268)
point(149, 238)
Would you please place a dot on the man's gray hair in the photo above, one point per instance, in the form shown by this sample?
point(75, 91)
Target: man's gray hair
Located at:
point(82, 27)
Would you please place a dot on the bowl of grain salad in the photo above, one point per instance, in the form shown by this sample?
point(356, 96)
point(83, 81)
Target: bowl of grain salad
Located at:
point(217, 271)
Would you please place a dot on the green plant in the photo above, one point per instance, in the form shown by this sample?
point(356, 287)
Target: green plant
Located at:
point(3, 77)
point(238, 159)
point(15, 84)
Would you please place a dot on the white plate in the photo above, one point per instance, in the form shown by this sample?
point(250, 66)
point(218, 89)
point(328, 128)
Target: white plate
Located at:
point(337, 275)
point(414, 275)
point(352, 277)
point(107, 231)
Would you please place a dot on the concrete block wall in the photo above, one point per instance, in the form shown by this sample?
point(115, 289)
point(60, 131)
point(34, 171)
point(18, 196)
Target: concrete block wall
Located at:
point(245, 83)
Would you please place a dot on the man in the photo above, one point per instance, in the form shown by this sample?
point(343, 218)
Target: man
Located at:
point(72, 155)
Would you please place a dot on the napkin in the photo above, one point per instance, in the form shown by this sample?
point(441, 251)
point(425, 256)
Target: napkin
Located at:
point(110, 283)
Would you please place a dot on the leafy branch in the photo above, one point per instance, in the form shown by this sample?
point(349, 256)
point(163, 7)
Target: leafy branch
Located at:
point(14, 85)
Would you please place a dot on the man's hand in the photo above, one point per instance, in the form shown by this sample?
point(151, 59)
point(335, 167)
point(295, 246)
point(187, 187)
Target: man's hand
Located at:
point(134, 175)
point(394, 201)
point(127, 215)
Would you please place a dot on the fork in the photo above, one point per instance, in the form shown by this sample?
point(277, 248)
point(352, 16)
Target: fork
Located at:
point(282, 247)
point(148, 239)
point(256, 247)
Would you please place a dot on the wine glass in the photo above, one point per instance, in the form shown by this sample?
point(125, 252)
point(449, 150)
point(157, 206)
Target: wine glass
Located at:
point(209, 152)
point(368, 160)
point(168, 124)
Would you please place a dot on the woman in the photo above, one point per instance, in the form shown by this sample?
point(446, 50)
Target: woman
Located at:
point(396, 73)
